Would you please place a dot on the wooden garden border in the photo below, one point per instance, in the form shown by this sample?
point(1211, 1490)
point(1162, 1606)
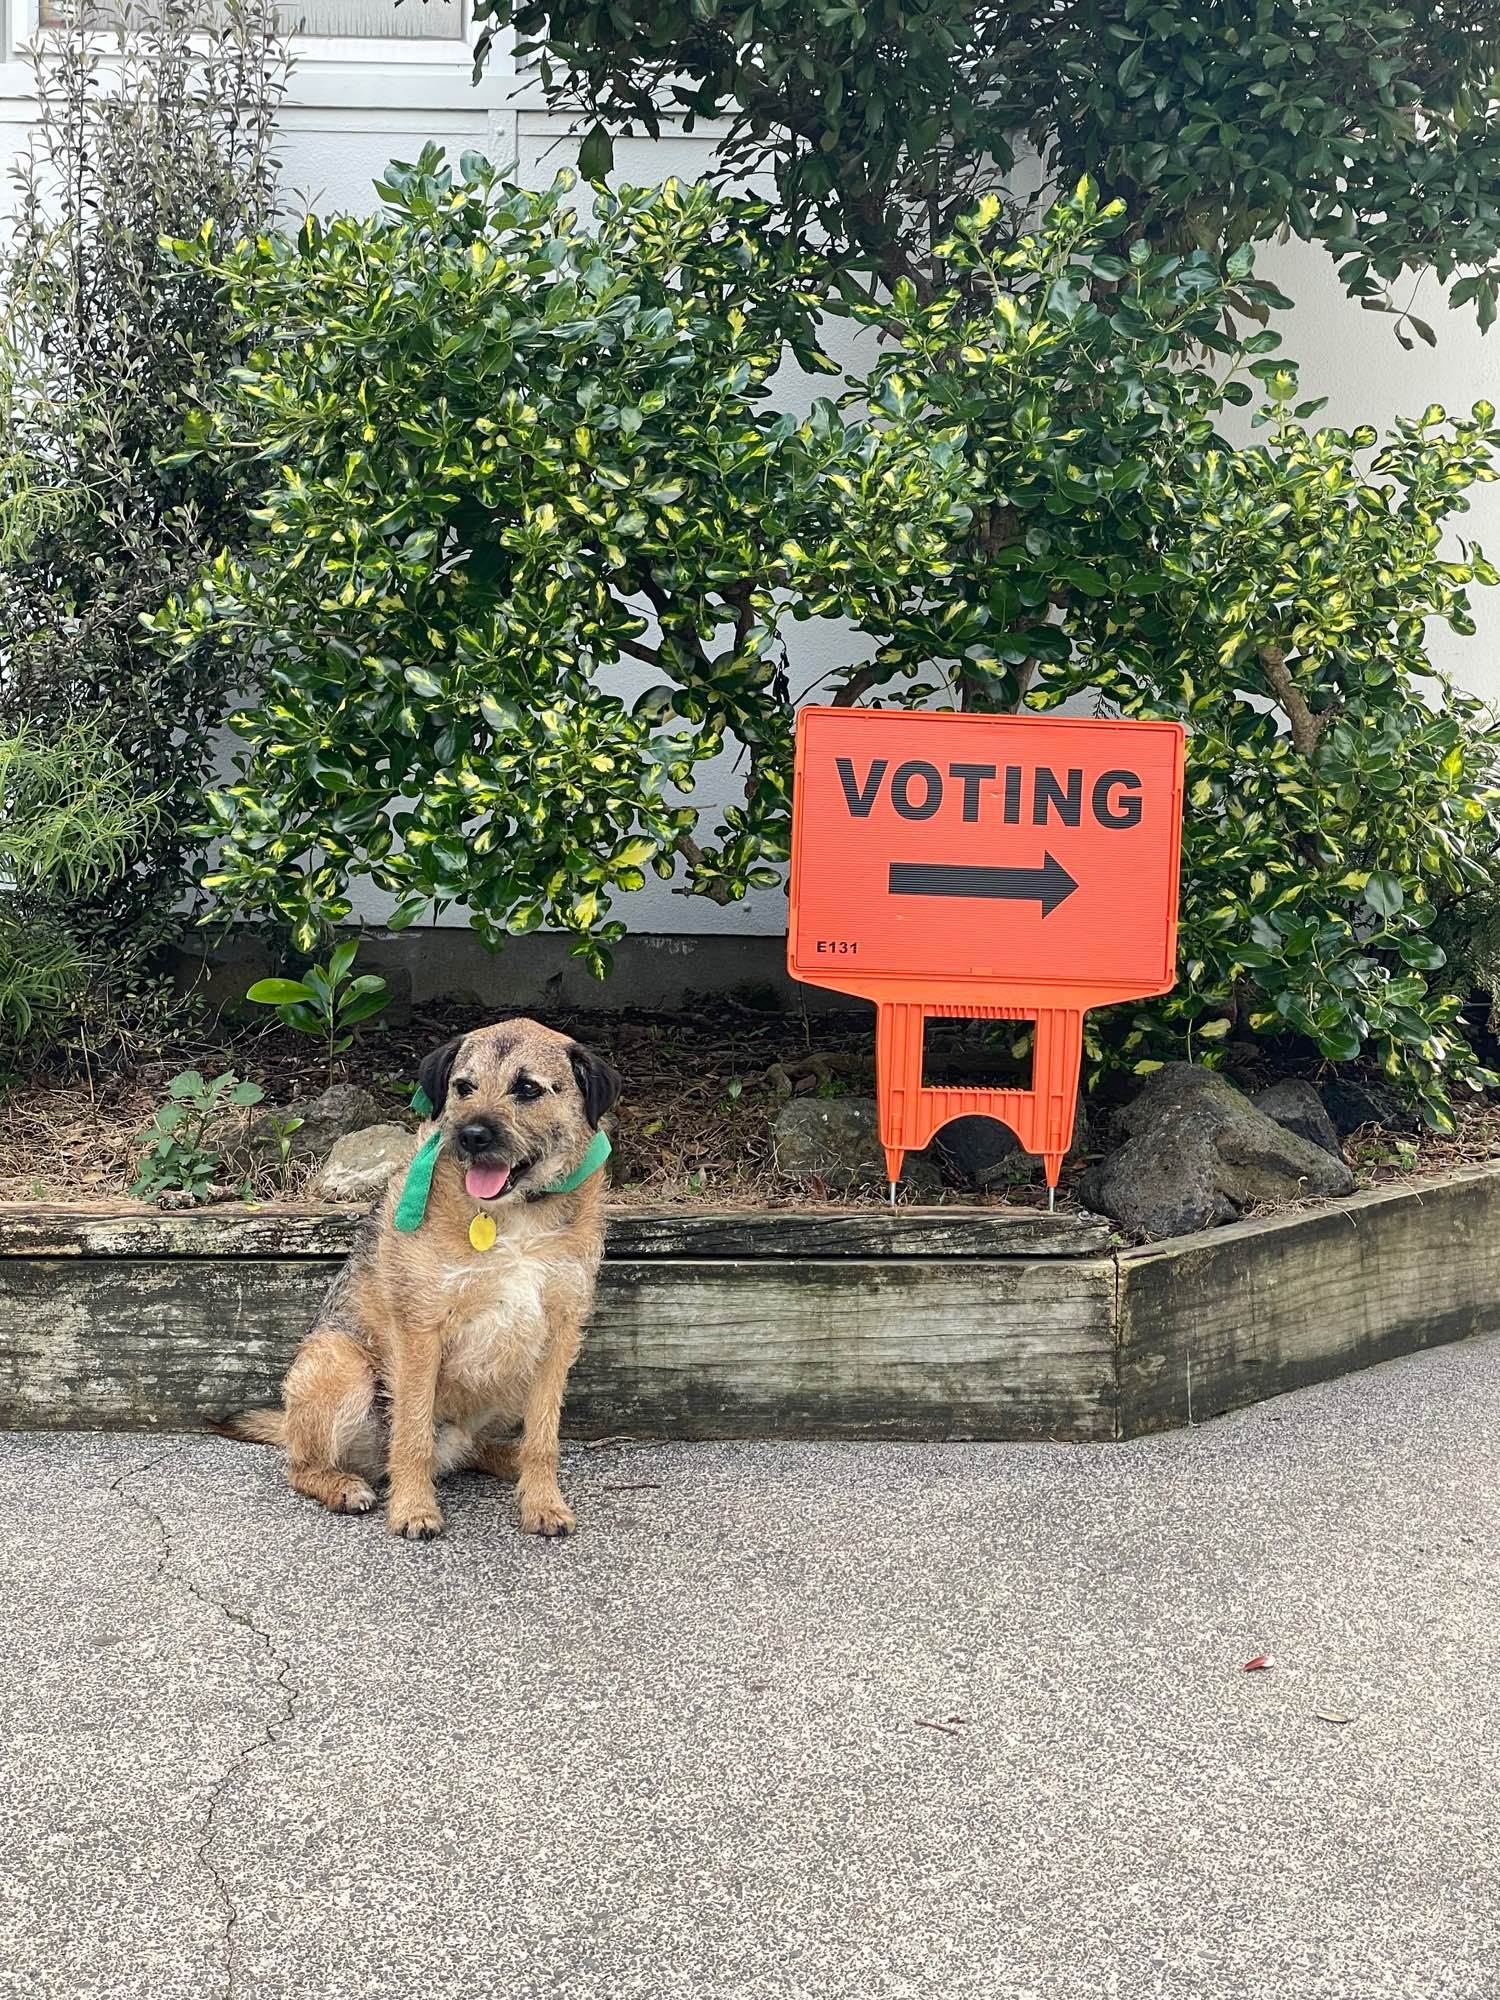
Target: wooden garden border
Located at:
point(925, 1323)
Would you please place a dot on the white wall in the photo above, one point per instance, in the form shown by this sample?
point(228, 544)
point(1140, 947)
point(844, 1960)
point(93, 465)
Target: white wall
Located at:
point(355, 105)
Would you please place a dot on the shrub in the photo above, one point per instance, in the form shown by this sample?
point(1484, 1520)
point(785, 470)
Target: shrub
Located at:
point(512, 461)
point(1275, 597)
point(108, 342)
point(464, 568)
point(71, 819)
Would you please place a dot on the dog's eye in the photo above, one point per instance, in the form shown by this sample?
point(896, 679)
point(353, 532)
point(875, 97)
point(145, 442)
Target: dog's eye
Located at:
point(465, 1086)
point(525, 1089)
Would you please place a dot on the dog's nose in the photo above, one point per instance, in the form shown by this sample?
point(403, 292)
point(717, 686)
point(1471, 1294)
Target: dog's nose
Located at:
point(477, 1136)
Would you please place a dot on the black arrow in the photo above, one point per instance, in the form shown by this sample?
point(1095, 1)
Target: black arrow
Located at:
point(1048, 885)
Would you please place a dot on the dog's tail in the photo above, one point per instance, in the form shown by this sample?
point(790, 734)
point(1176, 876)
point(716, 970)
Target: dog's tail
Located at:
point(253, 1426)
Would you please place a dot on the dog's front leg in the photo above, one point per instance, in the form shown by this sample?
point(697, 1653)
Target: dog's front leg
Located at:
point(412, 1508)
point(543, 1509)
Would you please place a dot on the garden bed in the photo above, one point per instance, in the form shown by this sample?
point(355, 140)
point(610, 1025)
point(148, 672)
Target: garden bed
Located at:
point(694, 1127)
point(935, 1323)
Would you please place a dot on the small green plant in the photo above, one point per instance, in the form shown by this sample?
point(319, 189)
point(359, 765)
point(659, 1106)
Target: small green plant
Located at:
point(326, 1001)
point(180, 1156)
point(279, 1131)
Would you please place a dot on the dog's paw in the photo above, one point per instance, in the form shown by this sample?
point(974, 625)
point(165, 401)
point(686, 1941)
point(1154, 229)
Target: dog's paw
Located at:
point(547, 1514)
point(351, 1495)
point(418, 1520)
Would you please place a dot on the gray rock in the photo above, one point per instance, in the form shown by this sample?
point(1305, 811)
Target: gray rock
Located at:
point(361, 1163)
point(1298, 1107)
point(986, 1154)
point(247, 1139)
point(836, 1140)
point(332, 1115)
point(1351, 1103)
point(981, 1151)
point(1197, 1152)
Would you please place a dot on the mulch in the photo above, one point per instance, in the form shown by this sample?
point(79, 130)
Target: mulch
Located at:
point(694, 1125)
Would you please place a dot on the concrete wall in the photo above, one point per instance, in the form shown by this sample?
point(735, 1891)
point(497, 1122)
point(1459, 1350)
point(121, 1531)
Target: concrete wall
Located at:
point(355, 104)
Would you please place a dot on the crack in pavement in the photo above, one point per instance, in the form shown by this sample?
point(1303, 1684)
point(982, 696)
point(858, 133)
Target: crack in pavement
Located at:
point(271, 1730)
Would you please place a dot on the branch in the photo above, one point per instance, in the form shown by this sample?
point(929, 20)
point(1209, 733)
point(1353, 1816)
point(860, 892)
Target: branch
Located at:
point(866, 215)
point(1306, 726)
point(692, 853)
point(744, 613)
point(858, 684)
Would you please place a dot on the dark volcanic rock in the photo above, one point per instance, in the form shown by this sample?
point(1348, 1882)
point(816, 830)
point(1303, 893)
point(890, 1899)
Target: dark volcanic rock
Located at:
point(981, 1151)
point(1196, 1152)
point(1298, 1107)
point(836, 1140)
point(1351, 1103)
point(986, 1154)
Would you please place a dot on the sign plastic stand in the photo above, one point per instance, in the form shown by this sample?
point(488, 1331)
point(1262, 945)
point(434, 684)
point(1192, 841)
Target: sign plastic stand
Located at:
point(1001, 868)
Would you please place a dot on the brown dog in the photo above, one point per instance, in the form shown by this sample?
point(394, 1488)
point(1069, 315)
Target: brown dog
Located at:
point(440, 1335)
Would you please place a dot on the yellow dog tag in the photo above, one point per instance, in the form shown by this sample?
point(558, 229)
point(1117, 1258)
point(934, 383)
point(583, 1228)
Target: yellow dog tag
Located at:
point(482, 1232)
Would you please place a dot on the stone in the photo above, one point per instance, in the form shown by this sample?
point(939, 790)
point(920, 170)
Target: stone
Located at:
point(247, 1139)
point(330, 1116)
point(1297, 1105)
point(361, 1163)
point(983, 1153)
point(836, 1140)
point(1350, 1103)
point(1197, 1152)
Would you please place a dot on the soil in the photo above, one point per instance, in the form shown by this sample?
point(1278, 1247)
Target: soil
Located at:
point(693, 1126)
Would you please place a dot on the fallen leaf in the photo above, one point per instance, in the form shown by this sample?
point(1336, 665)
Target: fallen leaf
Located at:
point(1330, 1715)
point(1259, 1664)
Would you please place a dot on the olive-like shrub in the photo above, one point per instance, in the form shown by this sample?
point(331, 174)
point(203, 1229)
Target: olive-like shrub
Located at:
point(105, 344)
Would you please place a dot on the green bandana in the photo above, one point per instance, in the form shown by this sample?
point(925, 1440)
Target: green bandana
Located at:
point(411, 1209)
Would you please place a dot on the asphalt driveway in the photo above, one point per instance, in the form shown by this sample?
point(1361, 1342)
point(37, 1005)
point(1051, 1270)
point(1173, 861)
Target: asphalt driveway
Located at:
point(822, 1720)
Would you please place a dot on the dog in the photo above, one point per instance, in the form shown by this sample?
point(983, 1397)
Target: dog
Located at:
point(457, 1318)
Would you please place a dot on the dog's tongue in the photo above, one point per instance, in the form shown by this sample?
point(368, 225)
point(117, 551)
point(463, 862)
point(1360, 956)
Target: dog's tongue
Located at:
point(484, 1183)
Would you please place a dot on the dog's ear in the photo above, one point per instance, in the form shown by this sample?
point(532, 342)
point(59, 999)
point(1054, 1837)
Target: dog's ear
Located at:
point(435, 1071)
point(598, 1080)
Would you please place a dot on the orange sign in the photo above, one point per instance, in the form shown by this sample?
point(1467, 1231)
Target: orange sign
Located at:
point(1002, 867)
